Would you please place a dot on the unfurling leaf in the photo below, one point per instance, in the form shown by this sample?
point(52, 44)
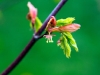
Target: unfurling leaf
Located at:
point(65, 46)
point(71, 40)
point(62, 22)
point(37, 24)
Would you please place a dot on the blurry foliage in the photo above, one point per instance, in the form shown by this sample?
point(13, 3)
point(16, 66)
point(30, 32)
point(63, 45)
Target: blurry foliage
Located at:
point(47, 59)
point(56, 1)
point(1, 15)
point(27, 74)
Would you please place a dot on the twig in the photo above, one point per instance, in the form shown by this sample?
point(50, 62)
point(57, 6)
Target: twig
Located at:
point(33, 40)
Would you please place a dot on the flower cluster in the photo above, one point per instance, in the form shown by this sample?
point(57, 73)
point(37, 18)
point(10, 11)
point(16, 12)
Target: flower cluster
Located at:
point(64, 26)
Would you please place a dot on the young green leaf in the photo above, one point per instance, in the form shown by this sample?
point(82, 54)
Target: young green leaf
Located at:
point(62, 22)
point(65, 46)
point(71, 40)
point(37, 24)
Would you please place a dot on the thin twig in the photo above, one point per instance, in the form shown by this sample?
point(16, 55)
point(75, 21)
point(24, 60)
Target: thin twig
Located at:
point(33, 40)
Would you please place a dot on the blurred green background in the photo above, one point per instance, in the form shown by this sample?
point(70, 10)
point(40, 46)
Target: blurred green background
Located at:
point(48, 59)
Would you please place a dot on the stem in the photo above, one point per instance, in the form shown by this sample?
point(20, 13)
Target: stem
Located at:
point(33, 40)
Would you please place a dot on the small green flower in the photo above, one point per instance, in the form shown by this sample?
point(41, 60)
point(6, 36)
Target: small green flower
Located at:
point(49, 38)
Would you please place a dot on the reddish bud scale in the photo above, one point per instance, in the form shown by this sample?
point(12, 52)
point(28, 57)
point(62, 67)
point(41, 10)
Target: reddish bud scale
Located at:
point(32, 12)
point(51, 23)
point(66, 28)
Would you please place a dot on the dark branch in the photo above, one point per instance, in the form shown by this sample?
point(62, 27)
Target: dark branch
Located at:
point(33, 40)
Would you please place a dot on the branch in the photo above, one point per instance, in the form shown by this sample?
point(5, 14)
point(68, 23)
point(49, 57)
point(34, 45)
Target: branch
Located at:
point(33, 40)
